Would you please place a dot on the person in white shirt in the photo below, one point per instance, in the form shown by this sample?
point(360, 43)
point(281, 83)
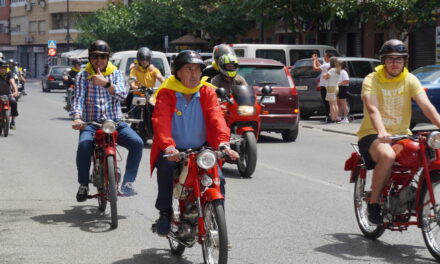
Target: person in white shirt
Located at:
point(332, 77)
point(344, 80)
point(323, 68)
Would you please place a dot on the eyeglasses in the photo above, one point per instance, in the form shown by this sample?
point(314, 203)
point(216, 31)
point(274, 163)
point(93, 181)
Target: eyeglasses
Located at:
point(391, 60)
point(94, 56)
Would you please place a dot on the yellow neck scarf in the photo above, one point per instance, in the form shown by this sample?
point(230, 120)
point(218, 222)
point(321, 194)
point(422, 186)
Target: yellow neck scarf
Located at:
point(383, 77)
point(140, 67)
point(75, 69)
point(175, 85)
point(108, 70)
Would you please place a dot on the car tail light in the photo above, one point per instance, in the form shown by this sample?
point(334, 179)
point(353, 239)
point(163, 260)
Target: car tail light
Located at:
point(50, 78)
point(295, 110)
point(425, 88)
point(264, 112)
point(318, 87)
point(291, 83)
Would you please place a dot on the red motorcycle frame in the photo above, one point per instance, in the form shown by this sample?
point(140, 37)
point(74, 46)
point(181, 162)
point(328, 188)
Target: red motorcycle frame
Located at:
point(105, 176)
point(412, 191)
point(198, 213)
point(5, 115)
point(242, 111)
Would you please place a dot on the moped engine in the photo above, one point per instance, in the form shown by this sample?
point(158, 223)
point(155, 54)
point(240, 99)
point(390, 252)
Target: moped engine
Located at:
point(401, 202)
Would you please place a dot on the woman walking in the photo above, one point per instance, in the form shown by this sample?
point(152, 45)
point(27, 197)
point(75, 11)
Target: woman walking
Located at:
point(332, 77)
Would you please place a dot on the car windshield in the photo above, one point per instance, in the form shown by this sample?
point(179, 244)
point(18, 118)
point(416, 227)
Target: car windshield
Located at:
point(427, 74)
point(59, 70)
point(304, 69)
point(259, 75)
point(157, 62)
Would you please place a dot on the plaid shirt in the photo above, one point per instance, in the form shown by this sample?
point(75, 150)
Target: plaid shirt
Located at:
point(95, 103)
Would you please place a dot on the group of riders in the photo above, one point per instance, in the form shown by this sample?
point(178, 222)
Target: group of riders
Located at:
point(12, 79)
point(187, 114)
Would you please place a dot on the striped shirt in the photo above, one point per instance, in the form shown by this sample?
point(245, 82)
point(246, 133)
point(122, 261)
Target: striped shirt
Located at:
point(95, 103)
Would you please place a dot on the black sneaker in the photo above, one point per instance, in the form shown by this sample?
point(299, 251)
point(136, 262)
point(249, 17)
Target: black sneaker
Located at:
point(12, 125)
point(374, 215)
point(83, 193)
point(163, 224)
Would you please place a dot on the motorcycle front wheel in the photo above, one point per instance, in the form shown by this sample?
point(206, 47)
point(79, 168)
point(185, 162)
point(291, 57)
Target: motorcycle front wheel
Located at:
point(5, 122)
point(431, 219)
point(248, 155)
point(112, 193)
point(362, 188)
point(215, 245)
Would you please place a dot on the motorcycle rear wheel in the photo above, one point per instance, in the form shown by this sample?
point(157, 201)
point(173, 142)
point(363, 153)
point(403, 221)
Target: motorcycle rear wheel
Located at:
point(215, 246)
point(112, 190)
point(430, 221)
point(5, 123)
point(370, 230)
point(248, 155)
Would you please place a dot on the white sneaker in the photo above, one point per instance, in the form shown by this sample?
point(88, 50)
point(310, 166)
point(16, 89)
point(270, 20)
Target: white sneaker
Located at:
point(344, 121)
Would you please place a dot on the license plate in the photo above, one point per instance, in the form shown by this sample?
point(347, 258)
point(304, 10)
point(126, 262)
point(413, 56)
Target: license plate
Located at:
point(302, 87)
point(268, 99)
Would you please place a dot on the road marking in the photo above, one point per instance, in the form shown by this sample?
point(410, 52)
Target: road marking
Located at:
point(308, 178)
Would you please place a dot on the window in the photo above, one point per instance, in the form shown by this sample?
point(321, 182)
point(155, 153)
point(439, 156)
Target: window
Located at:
point(278, 55)
point(239, 52)
point(41, 26)
point(33, 26)
point(256, 75)
point(2, 2)
point(301, 54)
point(360, 69)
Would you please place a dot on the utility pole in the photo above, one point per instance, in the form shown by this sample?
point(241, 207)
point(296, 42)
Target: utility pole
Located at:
point(68, 38)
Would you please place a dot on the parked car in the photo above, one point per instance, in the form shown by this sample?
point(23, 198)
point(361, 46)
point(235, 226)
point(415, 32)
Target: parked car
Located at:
point(286, 54)
point(124, 59)
point(54, 79)
point(280, 113)
point(429, 76)
point(307, 84)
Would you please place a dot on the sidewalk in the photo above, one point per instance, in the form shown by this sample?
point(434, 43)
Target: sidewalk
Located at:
point(347, 129)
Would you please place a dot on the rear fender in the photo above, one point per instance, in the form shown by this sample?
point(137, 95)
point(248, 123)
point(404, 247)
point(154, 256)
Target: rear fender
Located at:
point(353, 164)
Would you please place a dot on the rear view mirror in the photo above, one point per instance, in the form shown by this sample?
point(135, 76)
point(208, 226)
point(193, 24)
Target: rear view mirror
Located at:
point(221, 92)
point(267, 89)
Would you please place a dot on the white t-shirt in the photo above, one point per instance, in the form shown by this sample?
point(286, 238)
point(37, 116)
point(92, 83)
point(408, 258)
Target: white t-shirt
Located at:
point(343, 76)
point(324, 68)
point(334, 77)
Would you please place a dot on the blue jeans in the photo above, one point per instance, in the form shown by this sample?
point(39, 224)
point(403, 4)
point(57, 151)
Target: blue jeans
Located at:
point(165, 171)
point(126, 138)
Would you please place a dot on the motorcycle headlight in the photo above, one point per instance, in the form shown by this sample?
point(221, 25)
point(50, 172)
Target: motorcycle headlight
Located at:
point(206, 159)
point(109, 127)
point(434, 140)
point(206, 180)
point(246, 110)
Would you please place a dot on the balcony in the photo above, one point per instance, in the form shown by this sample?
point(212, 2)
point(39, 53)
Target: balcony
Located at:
point(83, 6)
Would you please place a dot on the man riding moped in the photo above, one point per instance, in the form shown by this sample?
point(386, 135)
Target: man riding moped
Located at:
point(97, 96)
point(8, 87)
point(69, 81)
point(387, 95)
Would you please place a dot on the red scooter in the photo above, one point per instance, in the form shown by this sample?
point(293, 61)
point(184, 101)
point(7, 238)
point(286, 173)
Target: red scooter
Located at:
point(5, 114)
point(198, 213)
point(105, 176)
point(242, 110)
point(412, 195)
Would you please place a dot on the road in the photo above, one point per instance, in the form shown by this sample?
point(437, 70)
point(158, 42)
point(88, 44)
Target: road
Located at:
point(297, 208)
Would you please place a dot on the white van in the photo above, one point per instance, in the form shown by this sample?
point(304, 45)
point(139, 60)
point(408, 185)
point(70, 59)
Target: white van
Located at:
point(286, 54)
point(124, 59)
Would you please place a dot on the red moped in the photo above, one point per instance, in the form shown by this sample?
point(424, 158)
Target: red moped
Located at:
point(242, 110)
point(5, 115)
point(198, 213)
point(412, 195)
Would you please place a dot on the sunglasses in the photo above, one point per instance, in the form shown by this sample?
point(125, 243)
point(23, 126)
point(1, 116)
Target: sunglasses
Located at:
point(100, 56)
point(394, 60)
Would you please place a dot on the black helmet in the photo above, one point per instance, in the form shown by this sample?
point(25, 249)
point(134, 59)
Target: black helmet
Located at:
point(76, 62)
point(99, 46)
point(393, 47)
point(11, 61)
point(3, 63)
point(220, 50)
point(144, 53)
point(186, 57)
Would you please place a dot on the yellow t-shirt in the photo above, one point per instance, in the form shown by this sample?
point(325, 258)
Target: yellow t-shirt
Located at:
point(394, 100)
point(146, 78)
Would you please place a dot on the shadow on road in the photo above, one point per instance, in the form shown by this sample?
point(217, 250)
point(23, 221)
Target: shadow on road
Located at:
point(87, 218)
point(355, 247)
point(269, 139)
point(156, 256)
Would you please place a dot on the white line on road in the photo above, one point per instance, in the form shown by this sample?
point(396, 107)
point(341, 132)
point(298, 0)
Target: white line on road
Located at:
point(308, 178)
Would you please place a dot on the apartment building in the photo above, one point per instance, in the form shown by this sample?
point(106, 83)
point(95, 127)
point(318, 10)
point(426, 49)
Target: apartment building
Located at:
point(34, 22)
point(5, 39)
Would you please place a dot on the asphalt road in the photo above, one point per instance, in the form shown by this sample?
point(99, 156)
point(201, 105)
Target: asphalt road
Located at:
point(297, 208)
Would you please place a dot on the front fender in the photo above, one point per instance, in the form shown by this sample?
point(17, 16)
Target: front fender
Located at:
point(212, 194)
point(434, 166)
point(110, 151)
point(242, 130)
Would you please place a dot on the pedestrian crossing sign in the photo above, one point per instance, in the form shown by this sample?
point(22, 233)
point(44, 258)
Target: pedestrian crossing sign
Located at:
point(52, 44)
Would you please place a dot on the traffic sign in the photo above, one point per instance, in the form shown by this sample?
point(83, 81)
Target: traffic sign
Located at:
point(52, 52)
point(52, 44)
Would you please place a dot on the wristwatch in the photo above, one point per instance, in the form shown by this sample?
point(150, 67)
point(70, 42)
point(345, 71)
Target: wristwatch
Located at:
point(107, 85)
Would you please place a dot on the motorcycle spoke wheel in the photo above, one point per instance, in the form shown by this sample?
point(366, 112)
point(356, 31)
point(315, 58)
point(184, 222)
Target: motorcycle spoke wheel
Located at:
point(102, 200)
point(361, 190)
point(5, 124)
point(112, 193)
point(431, 220)
point(248, 155)
point(215, 245)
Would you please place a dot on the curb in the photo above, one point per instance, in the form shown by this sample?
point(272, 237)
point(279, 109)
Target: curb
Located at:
point(330, 130)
